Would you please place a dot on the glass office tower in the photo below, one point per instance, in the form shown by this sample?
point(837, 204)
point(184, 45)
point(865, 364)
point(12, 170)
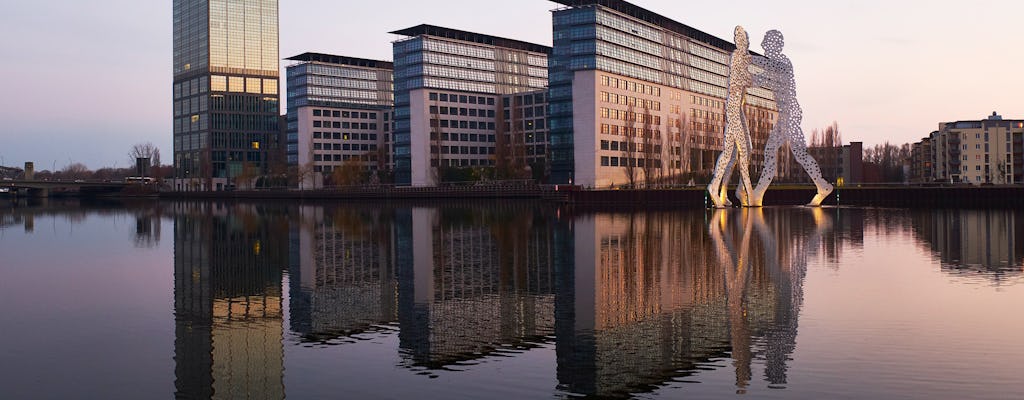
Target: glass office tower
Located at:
point(226, 101)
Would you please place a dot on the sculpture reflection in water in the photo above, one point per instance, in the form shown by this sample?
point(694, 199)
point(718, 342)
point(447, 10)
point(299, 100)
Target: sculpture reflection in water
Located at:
point(639, 310)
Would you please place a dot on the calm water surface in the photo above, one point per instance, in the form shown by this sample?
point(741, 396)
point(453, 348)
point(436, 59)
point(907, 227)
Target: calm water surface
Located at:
point(507, 300)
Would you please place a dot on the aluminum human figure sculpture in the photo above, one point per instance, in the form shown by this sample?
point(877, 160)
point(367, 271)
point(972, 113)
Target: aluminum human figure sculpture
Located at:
point(778, 77)
point(737, 137)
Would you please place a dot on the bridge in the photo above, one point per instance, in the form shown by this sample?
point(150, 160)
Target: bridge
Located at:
point(43, 188)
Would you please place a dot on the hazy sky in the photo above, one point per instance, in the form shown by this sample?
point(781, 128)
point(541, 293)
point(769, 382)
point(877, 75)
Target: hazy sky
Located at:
point(83, 81)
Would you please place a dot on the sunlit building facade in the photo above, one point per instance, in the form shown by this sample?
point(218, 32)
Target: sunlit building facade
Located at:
point(449, 86)
point(226, 102)
point(339, 112)
point(638, 97)
point(977, 152)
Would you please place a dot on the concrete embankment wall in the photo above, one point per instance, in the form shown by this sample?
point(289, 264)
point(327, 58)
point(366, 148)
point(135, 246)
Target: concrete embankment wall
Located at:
point(901, 196)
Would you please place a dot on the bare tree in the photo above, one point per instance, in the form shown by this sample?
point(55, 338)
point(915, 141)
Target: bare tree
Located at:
point(629, 151)
point(75, 171)
point(649, 161)
point(144, 150)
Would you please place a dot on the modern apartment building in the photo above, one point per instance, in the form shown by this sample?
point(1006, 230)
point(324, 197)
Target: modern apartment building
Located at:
point(636, 96)
point(982, 151)
point(450, 91)
point(339, 112)
point(226, 102)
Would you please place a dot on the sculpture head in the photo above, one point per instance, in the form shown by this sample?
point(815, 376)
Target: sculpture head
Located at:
point(773, 43)
point(742, 40)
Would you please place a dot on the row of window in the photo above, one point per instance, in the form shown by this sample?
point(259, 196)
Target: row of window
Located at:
point(626, 161)
point(346, 114)
point(463, 99)
point(472, 137)
point(344, 157)
point(344, 147)
point(463, 162)
point(469, 112)
point(345, 136)
point(632, 86)
point(630, 116)
point(631, 101)
point(345, 125)
point(627, 146)
point(627, 131)
point(456, 124)
point(706, 115)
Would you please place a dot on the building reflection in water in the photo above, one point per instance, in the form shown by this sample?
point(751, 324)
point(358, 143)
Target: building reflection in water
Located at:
point(228, 262)
point(460, 282)
point(974, 243)
point(631, 301)
point(472, 282)
point(652, 297)
point(342, 272)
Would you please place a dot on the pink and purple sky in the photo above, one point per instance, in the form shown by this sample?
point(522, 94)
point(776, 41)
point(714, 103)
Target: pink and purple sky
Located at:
point(84, 81)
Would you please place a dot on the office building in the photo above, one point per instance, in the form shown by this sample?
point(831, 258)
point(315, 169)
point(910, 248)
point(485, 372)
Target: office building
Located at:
point(637, 97)
point(981, 151)
point(226, 103)
point(339, 112)
point(450, 86)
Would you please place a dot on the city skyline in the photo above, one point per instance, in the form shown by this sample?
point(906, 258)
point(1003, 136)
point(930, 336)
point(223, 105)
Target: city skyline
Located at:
point(910, 55)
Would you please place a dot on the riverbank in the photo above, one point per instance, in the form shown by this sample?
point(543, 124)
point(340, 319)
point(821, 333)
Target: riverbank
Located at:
point(880, 196)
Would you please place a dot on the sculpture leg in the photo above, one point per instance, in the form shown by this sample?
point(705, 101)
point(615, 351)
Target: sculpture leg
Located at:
point(771, 158)
point(744, 166)
point(799, 148)
point(720, 167)
point(724, 189)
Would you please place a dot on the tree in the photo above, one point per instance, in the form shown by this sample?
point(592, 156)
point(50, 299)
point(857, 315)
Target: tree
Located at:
point(628, 147)
point(75, 171)
point(144, 150)
point(647, 152)
point(349, 173)
point(247, 176)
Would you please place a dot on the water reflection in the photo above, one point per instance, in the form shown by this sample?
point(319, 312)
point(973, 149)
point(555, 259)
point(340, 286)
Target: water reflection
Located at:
point(228, 263)
point(629, 302)
point(656, 296)
point(978, 244)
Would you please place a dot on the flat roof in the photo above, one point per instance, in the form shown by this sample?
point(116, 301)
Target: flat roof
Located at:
point(654, 18)
point(343, 60)
point(450, 33)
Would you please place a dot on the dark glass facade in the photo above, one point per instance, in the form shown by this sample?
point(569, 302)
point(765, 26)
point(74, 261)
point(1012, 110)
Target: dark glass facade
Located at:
point(226, 102)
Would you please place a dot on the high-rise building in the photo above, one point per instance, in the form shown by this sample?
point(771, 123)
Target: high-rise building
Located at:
point(339, 113)
point(638, 97)
point(449, 89)
point(226, 103)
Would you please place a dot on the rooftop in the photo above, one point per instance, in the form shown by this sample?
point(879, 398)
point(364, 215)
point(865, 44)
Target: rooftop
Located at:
point(343, 60)
point(456, 34)
point(653, 18)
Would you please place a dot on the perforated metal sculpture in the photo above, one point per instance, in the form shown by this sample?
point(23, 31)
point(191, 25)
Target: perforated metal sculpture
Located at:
point(778, 77)
point(737, 136)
